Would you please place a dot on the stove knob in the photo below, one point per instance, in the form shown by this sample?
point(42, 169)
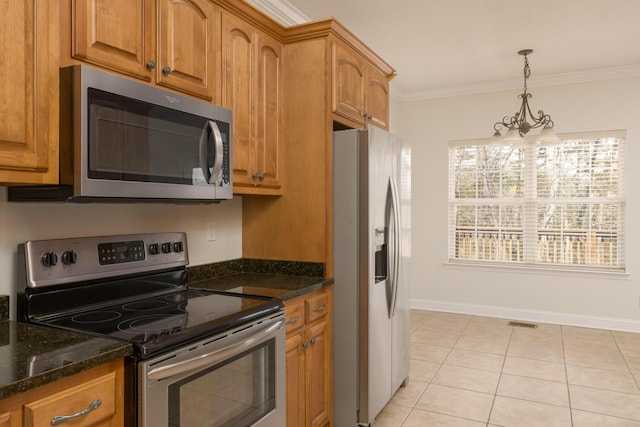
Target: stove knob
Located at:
point(69, 257)
point(49, 258)
point(178, 247)
point(154, 249)
point(166, 248)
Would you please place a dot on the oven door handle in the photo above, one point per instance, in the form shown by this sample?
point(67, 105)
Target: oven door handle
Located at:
point(212, 358)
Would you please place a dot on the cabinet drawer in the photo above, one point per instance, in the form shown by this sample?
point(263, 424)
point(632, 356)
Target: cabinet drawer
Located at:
point(294, 315)
point(74, 400)
point(317, 306)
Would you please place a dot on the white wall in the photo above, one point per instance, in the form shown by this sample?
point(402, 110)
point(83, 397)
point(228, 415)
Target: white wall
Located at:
point(20, 222)
point(569, 298)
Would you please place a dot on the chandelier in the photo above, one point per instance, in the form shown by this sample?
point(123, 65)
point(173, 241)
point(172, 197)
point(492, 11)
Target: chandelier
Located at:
point(523, 121)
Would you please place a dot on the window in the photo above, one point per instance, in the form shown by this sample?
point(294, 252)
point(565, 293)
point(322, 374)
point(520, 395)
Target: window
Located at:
point(559, 205)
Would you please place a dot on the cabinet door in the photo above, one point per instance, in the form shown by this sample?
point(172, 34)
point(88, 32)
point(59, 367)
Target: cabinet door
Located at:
point(318, 369)
point(6, 419)
point(188, 46)
point(238, 84)
point(116, 34)
point(348, 83)
point(377, 98)
point(295, 381)
point(269, 112)
point(29, 91)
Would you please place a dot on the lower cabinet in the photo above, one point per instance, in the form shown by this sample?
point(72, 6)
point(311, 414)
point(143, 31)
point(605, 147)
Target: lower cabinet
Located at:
point(310, 359)
point(90, 398)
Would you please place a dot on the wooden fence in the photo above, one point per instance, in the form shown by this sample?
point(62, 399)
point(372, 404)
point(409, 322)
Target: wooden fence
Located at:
point(572, 247)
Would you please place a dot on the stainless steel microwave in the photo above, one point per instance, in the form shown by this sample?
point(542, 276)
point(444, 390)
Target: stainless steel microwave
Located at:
point(123, 140)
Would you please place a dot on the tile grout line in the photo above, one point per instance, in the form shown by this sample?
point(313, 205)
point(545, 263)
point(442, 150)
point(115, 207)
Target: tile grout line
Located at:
point(504, 361)
point(566, 374)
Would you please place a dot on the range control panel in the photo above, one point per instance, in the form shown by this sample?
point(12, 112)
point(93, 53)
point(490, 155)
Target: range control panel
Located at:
point(51, 262)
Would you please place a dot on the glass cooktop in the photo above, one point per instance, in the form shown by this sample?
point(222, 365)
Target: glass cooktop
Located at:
point(155, 323)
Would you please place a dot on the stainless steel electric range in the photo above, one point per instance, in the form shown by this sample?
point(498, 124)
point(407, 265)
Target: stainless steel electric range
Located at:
point(200, 357)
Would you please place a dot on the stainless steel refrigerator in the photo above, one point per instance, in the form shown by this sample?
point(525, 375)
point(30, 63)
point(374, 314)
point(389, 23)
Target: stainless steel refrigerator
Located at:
point(371, 208)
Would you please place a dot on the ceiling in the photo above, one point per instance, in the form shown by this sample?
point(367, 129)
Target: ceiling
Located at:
point(455, 47)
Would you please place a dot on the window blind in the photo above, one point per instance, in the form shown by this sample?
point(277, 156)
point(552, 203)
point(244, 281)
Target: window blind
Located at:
point(560, 205)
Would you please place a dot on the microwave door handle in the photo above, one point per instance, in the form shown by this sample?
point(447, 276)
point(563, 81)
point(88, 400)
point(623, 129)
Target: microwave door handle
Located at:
point(211, 173)
point(212, 358)
point(219, 151)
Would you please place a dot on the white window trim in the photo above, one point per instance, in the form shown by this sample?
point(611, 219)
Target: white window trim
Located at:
point(529, 263)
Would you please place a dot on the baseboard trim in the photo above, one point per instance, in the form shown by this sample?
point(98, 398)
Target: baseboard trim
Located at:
point(615, 324)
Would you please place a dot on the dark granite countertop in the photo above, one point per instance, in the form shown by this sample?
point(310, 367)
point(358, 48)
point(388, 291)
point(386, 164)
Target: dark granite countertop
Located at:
point(282, 279)
point(276, 285)
point(33, 355)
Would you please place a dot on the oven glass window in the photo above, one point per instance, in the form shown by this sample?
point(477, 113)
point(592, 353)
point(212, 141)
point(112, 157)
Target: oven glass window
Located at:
point(131, 140)
point(236, 392)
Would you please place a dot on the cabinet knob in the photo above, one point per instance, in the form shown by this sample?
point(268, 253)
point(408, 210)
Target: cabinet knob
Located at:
point(305, 344)
point(255, 175)
point(151, 64)
point(166, 70)
point(261, 176)
point(313, 341)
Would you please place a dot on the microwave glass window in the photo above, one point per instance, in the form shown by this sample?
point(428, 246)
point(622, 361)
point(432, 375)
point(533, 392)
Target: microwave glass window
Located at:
point(131, 140)
point(239, 391)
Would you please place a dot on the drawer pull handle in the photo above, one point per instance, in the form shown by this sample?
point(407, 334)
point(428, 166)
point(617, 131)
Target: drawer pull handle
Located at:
point(321, 308)
point(294, 320)
point(62, 418)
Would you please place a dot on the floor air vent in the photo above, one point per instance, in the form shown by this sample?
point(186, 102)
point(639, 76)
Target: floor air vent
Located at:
point(523, 324)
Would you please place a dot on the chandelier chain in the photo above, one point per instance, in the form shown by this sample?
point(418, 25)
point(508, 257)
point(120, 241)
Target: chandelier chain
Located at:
point(527, 72)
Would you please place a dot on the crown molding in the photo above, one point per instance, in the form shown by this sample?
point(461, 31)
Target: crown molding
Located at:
point(280, 10)
point(498, 86)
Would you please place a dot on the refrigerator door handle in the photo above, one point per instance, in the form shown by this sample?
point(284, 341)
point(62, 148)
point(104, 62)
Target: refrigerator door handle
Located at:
point(395, 243)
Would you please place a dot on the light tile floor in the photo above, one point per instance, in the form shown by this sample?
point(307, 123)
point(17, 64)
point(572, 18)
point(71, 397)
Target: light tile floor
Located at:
point(479, 371)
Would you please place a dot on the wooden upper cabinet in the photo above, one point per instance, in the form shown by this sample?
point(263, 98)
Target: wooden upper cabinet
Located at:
point(377, 98)
point(188, 46)
point(360, 92)
point(116, 34)
point(174, 43)
point(29, 92)
point(238, 86)
point(269, 100)
point(252, 89)
point(348, 75)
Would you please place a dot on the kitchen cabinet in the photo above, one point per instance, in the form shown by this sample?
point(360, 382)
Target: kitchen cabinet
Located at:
point(360, 91)
point(29, 36)
point(298, 226)
point(173, 43)
point(68, 396)
point(309, 359)
point(252, 89)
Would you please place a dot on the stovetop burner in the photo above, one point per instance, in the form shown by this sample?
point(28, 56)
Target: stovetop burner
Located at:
point(155, 323)
point(142, 299)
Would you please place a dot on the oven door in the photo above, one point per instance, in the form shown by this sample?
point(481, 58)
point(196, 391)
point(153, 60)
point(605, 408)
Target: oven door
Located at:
point(232, 379)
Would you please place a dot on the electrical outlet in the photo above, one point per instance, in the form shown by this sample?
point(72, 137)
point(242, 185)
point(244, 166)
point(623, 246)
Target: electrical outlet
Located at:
point(211, 231)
